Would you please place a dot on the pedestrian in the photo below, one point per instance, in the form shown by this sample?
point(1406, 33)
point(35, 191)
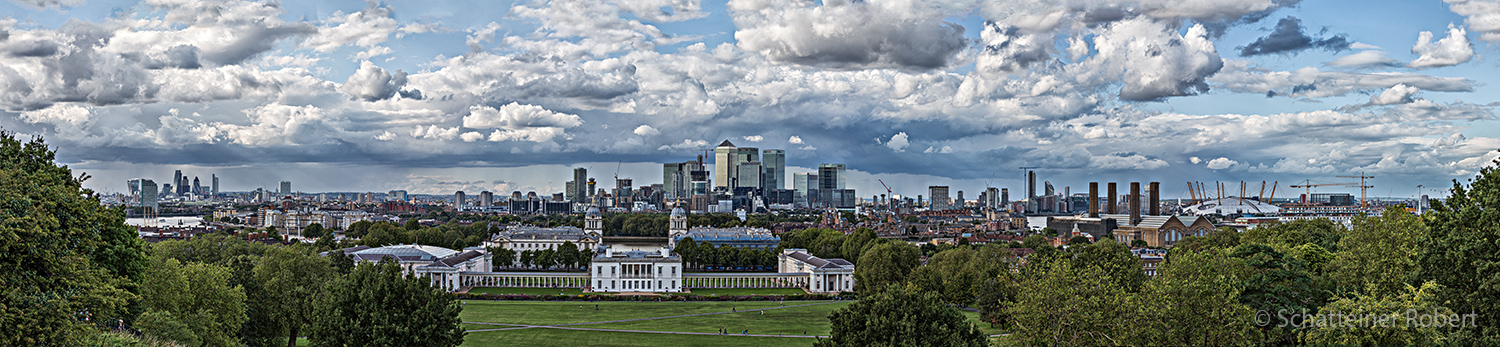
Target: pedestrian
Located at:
point(596, 307)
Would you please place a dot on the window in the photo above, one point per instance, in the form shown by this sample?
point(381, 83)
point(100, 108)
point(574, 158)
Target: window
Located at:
point(674, 271)
point(601, 270)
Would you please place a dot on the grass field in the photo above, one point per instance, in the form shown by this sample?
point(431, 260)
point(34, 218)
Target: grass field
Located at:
point(746, 291)
point(525, 291)
point(811, 320)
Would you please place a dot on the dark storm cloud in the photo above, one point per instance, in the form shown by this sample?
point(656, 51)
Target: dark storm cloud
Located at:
point(1289, 37)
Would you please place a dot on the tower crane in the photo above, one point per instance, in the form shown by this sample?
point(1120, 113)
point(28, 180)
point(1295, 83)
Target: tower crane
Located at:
point(1362, 187)
point(1309, 185)
point(888, 194)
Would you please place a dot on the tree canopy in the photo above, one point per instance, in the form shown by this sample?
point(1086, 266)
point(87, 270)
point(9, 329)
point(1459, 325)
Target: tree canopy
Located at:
point(379, 305)
point(901, 316)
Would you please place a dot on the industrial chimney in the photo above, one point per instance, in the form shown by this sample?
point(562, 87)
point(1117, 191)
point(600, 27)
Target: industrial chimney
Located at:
point(1093, 199)
point(1155, 198)
point(1113, 199)
point(1135, 203)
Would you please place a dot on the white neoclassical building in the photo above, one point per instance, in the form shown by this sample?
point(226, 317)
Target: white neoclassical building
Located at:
point(444, 266)
point(636, 271)
point(826, 275)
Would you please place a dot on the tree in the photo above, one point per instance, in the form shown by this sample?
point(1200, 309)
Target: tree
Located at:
point(1278, 283)
point(1060, 303)
point(379, 305)
point(1460, 250)
point(1114, 259)
point(297, 277)
point(1143, 243)
point(1380, 253)
point(1078, 241)
point(358, 229)
point(65, 257)
point(413, 225)
point(1036, 242)
point(885, 264)
point(1394, 307)
point(901, 316)
point(855, 243)
point(191, 303)
point(314, 230)
point(1194, 301)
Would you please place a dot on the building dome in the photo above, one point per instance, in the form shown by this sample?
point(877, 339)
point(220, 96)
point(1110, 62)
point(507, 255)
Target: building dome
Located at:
point(677, 212)
point(1232, 206)
point(592, 212)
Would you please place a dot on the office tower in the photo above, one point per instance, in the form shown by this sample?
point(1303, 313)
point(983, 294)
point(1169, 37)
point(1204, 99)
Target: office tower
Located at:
point(591, 189)
point(623, 192)
point(774, 163)
point(578, 188)
point(677, 180)
point(184, 186)
point(1005, 197)
point(939, 197)
point(749, 176)
point(166, 189)
point(804, 189)
point(486, 199)
point(148, 193)
point(724, 169)
point(197, 187)
point(215, 183)
point(958, 202)
point(992, 198)
point(398, 195)
point(831, 182)
point(134, 186)
point(286, 188)
point(176, 180)
point(458, 199)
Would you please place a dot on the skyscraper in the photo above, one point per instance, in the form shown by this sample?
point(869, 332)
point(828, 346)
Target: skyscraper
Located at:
point(749, 176)
point(215, 183)
point(724, 168)
point(580, 190)
point(804, 189)
point(197, 187)
point(182, 187)
point(286, 188)
point(939, 196)
point(148, 193)
point(831, 182)
point(176, 179)
point(458, 199)
point(486, 199)
point(774, 163)
point(677, 180)
point(134, 186)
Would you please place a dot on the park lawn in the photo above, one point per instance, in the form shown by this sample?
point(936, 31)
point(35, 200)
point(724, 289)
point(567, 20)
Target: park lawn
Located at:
point(559, 337)
point(985, 327)
point(746, 291)
point(527, 291)
point(564, 312)
point(812, 320)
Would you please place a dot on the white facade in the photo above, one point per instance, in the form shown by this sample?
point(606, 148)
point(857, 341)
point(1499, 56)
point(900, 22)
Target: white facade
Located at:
point(825, 276)
point(636, 271)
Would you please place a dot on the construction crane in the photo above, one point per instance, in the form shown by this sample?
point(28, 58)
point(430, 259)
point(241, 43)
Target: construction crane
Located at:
point(1362, 187)
point(1309, 185)
point(889, 195)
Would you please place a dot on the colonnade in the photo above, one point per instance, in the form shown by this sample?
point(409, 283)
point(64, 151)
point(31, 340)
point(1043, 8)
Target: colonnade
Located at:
point(744, 281)
point(524, 279)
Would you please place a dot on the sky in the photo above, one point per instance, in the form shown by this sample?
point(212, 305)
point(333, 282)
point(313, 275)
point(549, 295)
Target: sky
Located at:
point(434, 96)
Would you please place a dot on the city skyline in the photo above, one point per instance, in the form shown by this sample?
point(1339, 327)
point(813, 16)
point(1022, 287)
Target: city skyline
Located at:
point(351, 96)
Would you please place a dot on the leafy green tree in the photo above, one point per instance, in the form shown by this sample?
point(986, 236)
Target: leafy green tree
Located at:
point(297, 277)
point(1078, 241)
point(1321, 231)
point(1393, 308)
point(1380, 253)
point(342, 263)
point(1062, 303)
point(1460, 252)
point(67, 261)
point(1036, 242)
point(901, 316)
point(314, 230)
point(191, 303)
point(1193, 301)
point(1278, 283)
point(883, 265)
point(413, 225)
point(358, 229)
point(854, 244)
point(379, 305)
point(1115, 259)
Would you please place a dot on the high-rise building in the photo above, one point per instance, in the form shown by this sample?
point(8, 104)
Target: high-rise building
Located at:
point(398, 195)
point(749, 176)
point(197, 187)
point(176, 179)
point(458, 199)
point(182, 187)
point(166, 189)
point(1005, 197)
point(486, 199)
point(579, 190)
point(286, 188)
point(804, 189)
point(724, 160)
point(215, 183)
point(939, 196)
point(774, 163)
point(677, 180)
point(148, 193)
point(134, 186)
point(623, 192)
point(831, 183)
point(992, 198)
point(959, 201)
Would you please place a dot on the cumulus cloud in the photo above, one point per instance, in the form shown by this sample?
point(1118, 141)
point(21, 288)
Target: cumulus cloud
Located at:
point(848, 34)
point(1195, 160)
point(646, 130)
point(517, 122)
point(1482, 16)
point(1154, 61)
point(1007, 49)
point(1397, 94)
point(46, 4)
point(1452, 50)
point(372, 83)
point(898, 142)
point(1221, 163)
point(365, 29)
point(685, 144)
point(794, 140)
point(1309, 82)
point(1288, 37)
point(754, 138)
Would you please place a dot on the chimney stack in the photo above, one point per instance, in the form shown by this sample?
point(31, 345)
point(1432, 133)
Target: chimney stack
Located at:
point(1113, 198)
point(1093, 199)
point(1155, 198)
point(1135, 203)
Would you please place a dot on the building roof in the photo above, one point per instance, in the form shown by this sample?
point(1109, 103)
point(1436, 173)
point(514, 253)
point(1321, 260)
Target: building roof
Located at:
point(730, 234)
point(678, 212)
point(452, 261)
point(530, 233)
point(1232, 205)
point(820, 263)
point(405, 253)
point(726, 144)
point(592, 212)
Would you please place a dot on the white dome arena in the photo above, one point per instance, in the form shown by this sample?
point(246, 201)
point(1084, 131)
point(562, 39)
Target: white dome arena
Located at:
point(1232, 205)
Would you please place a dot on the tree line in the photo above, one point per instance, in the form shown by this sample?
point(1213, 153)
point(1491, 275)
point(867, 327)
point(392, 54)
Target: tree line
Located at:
point(77, 275)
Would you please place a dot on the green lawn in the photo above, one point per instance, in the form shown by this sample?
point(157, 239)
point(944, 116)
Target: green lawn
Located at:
point(985, 327)
point(746, 291)
point(563, 312)
point(811, 320)
point(525, 291)
point(556, 337)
